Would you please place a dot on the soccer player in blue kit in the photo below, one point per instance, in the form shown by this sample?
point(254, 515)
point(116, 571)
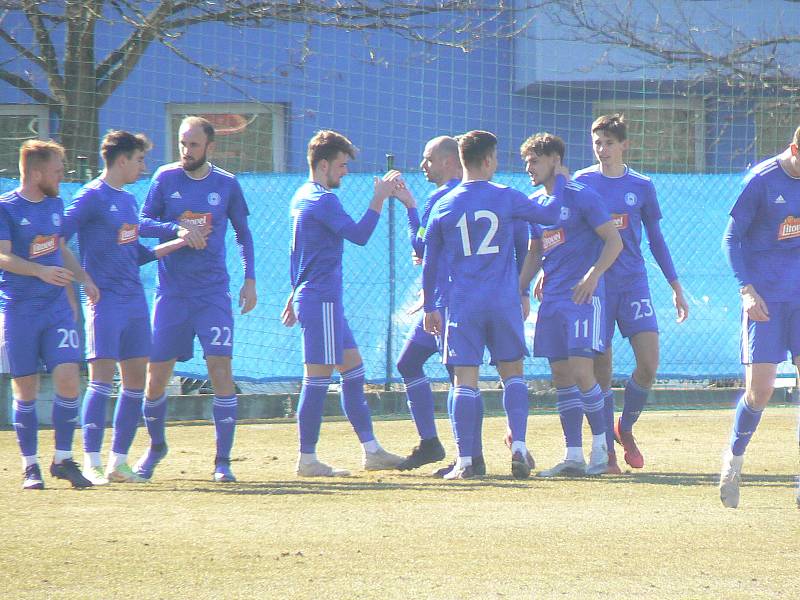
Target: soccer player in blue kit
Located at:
point(194, 200)
point(441, 166)
point(106, 219)
point(631, 199)
point(473, 226)
point(36, 269)
point(319, 228)
point(574, 254)
point(762, 244)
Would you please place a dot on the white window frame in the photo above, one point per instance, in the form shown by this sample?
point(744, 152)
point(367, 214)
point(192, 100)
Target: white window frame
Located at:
point(604, 107)
point(34, 110)
point(276, 109)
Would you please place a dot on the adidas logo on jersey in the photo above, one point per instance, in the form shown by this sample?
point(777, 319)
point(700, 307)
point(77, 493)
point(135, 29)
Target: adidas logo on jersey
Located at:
point(176, 195)
point(113, 208)
point(24, 221)
point(780, 200)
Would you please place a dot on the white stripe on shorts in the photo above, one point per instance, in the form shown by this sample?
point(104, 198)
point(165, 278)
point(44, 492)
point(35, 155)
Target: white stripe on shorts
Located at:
point(328, 334)
point(596, 314)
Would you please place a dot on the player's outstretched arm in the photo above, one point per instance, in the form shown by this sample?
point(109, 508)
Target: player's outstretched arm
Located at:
point(660, 251)
point(612, 246)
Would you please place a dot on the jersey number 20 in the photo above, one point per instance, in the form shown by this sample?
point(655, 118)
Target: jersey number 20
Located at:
point(485, 246)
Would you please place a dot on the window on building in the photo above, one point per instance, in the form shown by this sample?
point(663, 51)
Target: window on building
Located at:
point(19, 122)
point(776, 121)
point(250, 138)
point(666, 134)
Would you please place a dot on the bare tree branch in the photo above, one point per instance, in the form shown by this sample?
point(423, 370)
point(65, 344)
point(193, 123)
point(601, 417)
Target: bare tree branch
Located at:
point(37, 20)
point(28, 88)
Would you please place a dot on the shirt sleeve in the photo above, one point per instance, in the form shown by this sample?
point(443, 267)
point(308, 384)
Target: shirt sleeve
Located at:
point(542, 209)
point(593, 208)
point(78, 213)
point(5, 225)
point(152, 213)
point(732, 248)
point(337, 220)
point(414, 228)
point(433, 249)
point(658, 246)
point(144, 254)
point(238, 213)
point(746, 206)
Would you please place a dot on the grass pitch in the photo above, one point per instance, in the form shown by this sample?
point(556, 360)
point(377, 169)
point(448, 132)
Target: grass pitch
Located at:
point(656, 533)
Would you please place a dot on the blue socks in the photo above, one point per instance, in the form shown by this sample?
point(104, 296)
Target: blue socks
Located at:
point(126, 420)
point(570, 411)
point(309, 411)
point(354, 403)
point(93, 415)
point(608, 413)
point(745, 423)
point(593, 408)
point(224, 411)
point(477, 440)
point(418, 388)
point(515, 403)
point(65, 418)
point(155, 417)
point(635, 399)
point(464, 413)
point(26, 424)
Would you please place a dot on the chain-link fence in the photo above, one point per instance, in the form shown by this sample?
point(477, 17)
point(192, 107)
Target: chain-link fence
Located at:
point(695, 213)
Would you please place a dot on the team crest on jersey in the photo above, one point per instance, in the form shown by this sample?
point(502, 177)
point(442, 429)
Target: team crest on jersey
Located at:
point(214, 199)
point(630, 199)
point(564, 213)
point(197, 219)
point(790, 228)
point(127, 233)
point(42, 245)
point(552, 238)
point(56, 219)
point(620, 221)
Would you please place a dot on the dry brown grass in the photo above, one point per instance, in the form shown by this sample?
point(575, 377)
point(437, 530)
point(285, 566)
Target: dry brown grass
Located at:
point(659, 533)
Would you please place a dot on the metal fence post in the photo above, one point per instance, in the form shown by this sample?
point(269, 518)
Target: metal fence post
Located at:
point(392, 283)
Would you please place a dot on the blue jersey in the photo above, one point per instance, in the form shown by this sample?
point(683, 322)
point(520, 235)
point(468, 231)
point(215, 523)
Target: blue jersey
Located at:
point(418, 238)
point(106, 220)
point(176, 199)
point(631, 200)
point(767, 216)
point(571, 246)
point(473, 226)
point(319, 227)
point(34, 230)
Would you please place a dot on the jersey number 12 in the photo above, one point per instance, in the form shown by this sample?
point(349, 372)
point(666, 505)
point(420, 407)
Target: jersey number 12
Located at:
point(485, 246)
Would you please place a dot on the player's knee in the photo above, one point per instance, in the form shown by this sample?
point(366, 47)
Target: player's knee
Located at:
point(646, 373)
point(409, 366)
point(757, 396)
point(66, 380)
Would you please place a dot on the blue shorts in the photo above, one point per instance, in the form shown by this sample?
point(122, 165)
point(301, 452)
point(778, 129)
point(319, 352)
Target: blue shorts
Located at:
point(565, 329)
point(467, 336)
point(631, 310)
point(176, 320)
point(50, 337)
point(326, 333)
point(117, 328)
point(769, 341)
point(424, 339)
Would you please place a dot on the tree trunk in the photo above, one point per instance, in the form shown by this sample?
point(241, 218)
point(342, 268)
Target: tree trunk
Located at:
point(79, 135)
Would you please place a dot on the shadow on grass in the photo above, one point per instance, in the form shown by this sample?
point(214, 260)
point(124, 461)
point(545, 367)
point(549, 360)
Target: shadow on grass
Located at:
point(337, 486)
point(681, 479)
